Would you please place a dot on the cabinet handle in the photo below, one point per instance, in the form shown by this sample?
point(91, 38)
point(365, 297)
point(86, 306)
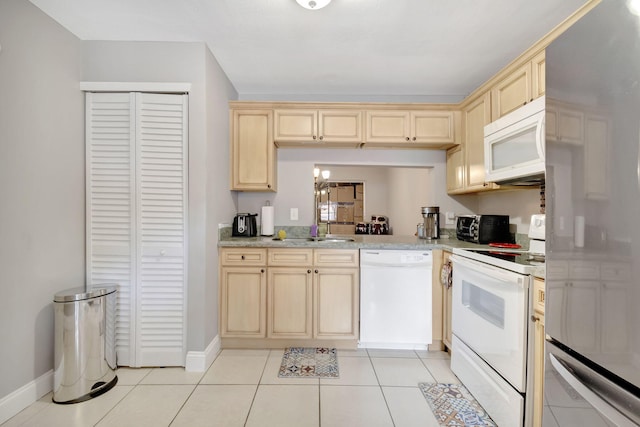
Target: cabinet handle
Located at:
point(316, 271)
point(309, 271)
point(321, 138)
point(408, 138)
point(242, 257)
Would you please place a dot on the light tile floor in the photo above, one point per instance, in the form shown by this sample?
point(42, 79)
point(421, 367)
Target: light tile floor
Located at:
point(242, 388)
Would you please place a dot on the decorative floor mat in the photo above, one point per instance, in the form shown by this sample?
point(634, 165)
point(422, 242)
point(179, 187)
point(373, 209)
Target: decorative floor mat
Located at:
point(453, 405)
point(318, 362)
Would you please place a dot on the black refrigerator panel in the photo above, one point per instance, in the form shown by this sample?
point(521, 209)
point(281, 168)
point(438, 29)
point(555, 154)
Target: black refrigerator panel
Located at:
point(593, 213)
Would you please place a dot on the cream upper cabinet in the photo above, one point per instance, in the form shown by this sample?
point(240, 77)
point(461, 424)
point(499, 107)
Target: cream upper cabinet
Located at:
point(512, 92)
point(475, 116)
point(253, 153)
point(312, 126)
point(538, 69)
point(419, 128)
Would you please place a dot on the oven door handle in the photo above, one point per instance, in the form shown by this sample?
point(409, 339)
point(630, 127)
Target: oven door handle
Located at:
point(495, 272)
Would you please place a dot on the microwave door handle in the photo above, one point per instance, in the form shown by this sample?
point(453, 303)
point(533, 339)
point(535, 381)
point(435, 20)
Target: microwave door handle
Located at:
point(601, 405)
point(540, 136)
point(488, 270)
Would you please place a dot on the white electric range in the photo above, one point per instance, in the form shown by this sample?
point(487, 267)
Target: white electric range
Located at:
point(490, 322)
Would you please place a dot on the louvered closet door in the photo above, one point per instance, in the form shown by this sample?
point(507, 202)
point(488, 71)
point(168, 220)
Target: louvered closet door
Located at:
point(136, 219)
point(161, 189)
point(110, 202)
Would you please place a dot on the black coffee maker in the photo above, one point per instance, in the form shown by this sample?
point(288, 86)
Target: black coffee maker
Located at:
point(244, 225)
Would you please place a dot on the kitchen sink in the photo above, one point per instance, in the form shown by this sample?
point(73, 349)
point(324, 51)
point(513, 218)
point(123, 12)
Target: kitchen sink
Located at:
point(315, 239)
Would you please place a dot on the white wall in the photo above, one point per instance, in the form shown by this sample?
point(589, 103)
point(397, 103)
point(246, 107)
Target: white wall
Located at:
point(295, 180)
point(209, 199)
point(519, 204)
point(41, 185)
point(410, 189)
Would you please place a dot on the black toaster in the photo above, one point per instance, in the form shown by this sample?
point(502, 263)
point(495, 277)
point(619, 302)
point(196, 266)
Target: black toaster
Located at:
point(244, 225)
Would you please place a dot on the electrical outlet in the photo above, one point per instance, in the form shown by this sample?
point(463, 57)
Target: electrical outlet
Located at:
point(449, 218)
point(293, 214)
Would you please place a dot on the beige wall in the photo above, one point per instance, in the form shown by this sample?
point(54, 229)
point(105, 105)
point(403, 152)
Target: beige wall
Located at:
point(41, 186)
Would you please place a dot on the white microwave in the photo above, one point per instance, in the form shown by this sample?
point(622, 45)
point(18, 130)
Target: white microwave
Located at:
point(514, 146)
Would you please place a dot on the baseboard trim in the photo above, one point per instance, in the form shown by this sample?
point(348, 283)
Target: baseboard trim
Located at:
point(199, 361)
point(13, 403)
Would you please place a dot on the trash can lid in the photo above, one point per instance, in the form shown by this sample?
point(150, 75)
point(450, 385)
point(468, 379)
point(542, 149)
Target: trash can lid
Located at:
point(82, 293)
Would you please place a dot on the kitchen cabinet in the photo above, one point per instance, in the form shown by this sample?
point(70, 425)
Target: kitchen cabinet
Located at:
point(279, 294)
point(538, 69)
point(305, 127)
point(253, 152)
point(419, 128)
point(512, 92)
point(336, 291)
point(243, 292)
point(137, 217)
point(447, 299)
point(470, 177)
point(538, 350)
point(290, 293)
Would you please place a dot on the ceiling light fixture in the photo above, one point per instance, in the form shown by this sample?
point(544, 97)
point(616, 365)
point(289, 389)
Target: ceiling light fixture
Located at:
point(313, 4)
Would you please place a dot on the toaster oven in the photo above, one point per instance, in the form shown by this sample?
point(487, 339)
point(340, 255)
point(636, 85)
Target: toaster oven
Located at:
point(483, 228)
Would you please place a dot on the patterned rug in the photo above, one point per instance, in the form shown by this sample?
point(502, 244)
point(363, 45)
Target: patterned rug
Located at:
point(318, 362)
point(453, 405)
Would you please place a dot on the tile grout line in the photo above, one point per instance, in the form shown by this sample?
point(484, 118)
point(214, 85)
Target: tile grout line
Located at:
point(381, 390)
point(255, 394)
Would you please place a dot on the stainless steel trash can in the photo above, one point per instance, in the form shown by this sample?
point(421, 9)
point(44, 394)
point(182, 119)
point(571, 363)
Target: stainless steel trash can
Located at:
point(85, 351)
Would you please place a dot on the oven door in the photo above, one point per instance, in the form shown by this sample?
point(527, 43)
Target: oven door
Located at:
point(489, 315)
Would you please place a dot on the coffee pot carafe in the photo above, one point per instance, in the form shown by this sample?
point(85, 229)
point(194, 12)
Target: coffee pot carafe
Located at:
point(431, 216)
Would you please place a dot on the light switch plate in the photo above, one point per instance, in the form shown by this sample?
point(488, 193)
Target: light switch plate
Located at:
point(293, 214)
point(449, 218)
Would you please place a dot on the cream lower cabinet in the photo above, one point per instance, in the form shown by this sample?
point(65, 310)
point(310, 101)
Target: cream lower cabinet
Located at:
point(243, 293)
point(538, 350)
point(447, 300)
point(294, 294)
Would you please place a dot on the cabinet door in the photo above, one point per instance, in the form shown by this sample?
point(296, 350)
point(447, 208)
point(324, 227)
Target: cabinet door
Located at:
point(447, 300)
point(336, 303)
point(596, 157)
point(253, 153)
point(538, 71)
point(388, 127)
point(476, 116)
point(455, 170)
point(512, 92)
point(296, 125)
point(342, 127)
point(243, 294)
point(289, 302)
point(433, 127)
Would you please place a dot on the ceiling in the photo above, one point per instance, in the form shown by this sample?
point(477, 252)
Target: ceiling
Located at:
point(377, 50)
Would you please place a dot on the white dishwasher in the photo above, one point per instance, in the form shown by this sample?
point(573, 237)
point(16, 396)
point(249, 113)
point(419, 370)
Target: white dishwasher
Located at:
point(395, 299)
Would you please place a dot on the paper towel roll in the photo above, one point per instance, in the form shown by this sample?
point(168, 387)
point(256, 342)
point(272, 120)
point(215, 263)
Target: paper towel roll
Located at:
point(578, 231)
point(266, 220)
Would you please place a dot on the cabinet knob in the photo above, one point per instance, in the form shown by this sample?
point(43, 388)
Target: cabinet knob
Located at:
point(321, 138)
point(242, 257)
point(163, 252)
point(414, 138)
point(316, 270)
point(268, 185)
point(535, 318)
point(309, 271)
point(262, 270)
point(408, 139)
point(314, 137)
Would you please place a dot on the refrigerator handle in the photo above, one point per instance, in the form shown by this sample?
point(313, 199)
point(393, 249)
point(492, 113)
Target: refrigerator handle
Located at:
point(602, 406)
